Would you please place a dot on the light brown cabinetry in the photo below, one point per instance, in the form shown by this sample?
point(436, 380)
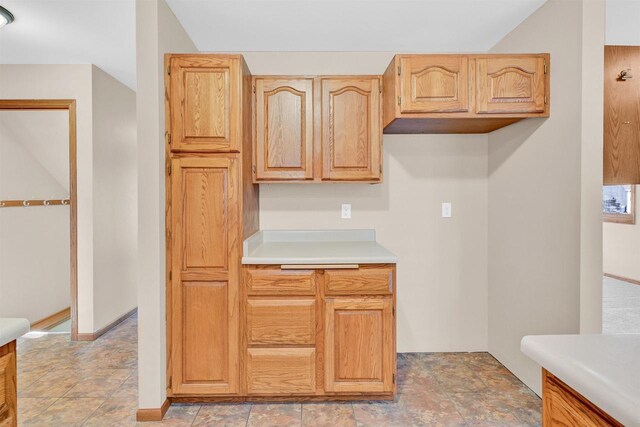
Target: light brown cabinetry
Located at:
point(463, 93)
point(359, 349)
point(283, 128)
point(563, 406)
point(320, 342)
point(313, 129)
point(205, 103)
point(351, 135)
point(8, 386)
point(211, 208)
point(204, 269)
point(621, 115)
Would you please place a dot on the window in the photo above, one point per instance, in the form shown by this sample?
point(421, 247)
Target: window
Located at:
point(618, 203)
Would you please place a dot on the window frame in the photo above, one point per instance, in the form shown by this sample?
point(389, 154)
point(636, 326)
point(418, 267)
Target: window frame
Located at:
point(619, 218)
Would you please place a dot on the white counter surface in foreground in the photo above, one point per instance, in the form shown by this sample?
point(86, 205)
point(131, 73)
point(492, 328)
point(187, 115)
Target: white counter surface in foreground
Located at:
point(603, 368)
point(12, 328)
point(315, 247)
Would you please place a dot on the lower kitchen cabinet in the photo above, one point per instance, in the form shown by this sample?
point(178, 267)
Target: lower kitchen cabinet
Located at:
point(319, 333)
point(359, 348)
point(8, 386)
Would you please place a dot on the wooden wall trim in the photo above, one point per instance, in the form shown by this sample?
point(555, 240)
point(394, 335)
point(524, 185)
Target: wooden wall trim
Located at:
point(51, 320)
point(155, 414)
point(95, 335)
point(622, 278)
point(70, 105)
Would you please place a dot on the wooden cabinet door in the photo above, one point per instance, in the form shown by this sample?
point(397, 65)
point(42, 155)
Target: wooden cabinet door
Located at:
point(359, 349)
point(621, 115)
point(510, 84)
point(351, 136)
point(204, 103)
point(283, 129)
point(8, 398)
point(434, 84)
point(204, 272)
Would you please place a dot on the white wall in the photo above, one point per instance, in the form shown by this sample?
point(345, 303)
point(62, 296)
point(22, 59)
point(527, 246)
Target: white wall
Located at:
point(114, 199)
point(621, 246)
point(66, 82)
point(623, 22)
point(105, 132)
point(36, 234)
point(442, 268)
point(543, 242)
point(157, 32)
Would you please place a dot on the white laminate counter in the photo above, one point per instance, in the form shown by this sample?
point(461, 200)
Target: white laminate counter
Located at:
point(605, 369)
point(12, 328)
point(315, 247)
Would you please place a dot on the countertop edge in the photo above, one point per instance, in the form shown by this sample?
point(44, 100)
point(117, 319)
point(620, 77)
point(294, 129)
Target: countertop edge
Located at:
point(592, 386)
point(12, 329)
point(248, 260)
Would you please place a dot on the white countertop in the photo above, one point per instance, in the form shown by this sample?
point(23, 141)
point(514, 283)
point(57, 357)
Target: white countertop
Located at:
point(603, 368)
point(315, 247)
point(12, 328)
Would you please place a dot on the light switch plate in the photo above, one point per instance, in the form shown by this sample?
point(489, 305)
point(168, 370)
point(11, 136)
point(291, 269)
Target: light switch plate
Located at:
point(345, 212)
point(446, 210)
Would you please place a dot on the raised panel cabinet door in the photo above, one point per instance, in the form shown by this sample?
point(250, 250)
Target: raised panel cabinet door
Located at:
point(359, 349)
point(204, 102)
point(205, 266)
point(510, 85)
point(621, 115)
point(351, 135)
point(284, 129)
point(8, 398)
point(434, 84)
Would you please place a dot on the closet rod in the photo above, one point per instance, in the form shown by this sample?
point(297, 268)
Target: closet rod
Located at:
point(30, 203)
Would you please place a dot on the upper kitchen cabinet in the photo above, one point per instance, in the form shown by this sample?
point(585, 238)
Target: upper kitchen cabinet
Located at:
point(317, 129)
point(621, 115)
point(204, 107)
point(510, 85)
point(283, 128)
point(463, 93)
point(351, 136)
point(434, 84)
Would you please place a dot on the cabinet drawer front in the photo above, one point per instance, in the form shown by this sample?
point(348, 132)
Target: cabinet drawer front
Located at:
point(281, 370)
point(281, 321)
point(371, 281)
point(278, 282)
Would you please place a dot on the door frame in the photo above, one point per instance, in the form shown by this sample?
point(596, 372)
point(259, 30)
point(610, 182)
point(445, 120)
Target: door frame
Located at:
point(70, 106)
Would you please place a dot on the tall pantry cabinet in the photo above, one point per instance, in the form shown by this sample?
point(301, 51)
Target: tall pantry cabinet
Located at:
point(212, 206)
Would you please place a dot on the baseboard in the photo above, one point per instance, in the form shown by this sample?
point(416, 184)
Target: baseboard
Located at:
point(94, 336)
point(624, 279)
point(155, 414)
point(50, 321)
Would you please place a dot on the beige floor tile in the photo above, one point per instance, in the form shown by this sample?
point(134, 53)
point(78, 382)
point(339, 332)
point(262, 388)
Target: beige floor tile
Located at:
point(278, 414)
point(223, 415)
point(65, 412)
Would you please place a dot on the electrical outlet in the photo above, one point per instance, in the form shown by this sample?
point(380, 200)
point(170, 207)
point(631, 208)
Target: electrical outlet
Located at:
point(345, 212)
point(446, 210)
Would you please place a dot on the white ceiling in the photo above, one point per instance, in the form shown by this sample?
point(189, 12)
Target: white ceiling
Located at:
point(364, 25)
point(100, 32)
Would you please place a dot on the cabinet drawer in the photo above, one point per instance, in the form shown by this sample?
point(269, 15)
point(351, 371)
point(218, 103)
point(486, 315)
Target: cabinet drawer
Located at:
point(279, 282)
point(274, 321)
point(281, 370)
point(369, 281)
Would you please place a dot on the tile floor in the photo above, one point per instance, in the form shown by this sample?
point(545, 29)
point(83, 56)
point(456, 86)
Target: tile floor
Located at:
point(63, 383)
point(620, 307)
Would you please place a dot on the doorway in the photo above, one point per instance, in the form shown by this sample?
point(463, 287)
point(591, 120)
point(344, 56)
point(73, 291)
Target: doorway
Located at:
point(44, 202)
